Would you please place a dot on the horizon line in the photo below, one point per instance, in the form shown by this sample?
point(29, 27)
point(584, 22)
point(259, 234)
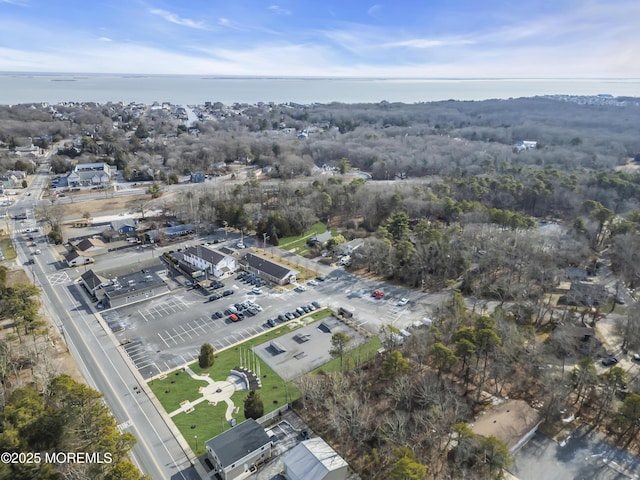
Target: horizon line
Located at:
point(310, 77)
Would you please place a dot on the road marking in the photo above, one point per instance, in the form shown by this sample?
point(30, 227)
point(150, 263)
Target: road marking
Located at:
point(58, 278)
point(143, 315)
point(185, 331)
point(124, 425)
point(163, 340)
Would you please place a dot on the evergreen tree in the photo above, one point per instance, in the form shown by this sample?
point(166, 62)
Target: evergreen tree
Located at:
point(207, 356)
point(253, 406)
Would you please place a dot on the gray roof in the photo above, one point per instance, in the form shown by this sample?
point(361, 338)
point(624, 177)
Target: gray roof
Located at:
point(270, 268)
point(212, 256)
point(227, 250)
point(238, 442)
point(118, 224)
point(127, 284)
point(91, 279)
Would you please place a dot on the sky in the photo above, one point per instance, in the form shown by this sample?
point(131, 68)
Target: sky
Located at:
point(334, 38)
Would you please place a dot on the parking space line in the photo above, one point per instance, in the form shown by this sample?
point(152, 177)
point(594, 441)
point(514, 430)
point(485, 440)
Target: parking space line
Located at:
point(177, 335)
point(202, 327)
point(163, 340)
point(185, 331)
point(143, 315)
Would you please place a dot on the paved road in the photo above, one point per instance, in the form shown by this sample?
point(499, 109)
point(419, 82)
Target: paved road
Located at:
point(159, 452)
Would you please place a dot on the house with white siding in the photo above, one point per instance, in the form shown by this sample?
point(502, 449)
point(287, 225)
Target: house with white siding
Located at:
point(214, 262)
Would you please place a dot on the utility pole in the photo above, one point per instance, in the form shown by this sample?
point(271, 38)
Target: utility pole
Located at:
point(265, 237)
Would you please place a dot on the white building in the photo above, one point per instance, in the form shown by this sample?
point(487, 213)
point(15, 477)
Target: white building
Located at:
point(86, 174)
point(314, 459)
point(214, 262)
point(236, 451)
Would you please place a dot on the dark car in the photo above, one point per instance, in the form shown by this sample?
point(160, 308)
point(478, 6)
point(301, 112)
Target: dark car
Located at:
point(216, 285)
point(271, 323)
point(226, 293)
point(289, 315)
point(315, 304)
point(321, 278)
point(609, 361)
point(282, 318)
point(217, 314)
point(214, 297)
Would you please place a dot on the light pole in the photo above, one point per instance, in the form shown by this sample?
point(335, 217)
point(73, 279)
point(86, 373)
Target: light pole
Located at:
point(224, 222)
point(196, 437)
point(264, 242)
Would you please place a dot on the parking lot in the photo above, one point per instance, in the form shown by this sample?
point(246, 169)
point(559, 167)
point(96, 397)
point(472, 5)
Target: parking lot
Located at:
point(166, 332)
point(585, 455)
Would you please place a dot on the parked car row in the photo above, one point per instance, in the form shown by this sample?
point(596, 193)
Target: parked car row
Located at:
point(238, 311)
point(251, 279)
point(298, 312)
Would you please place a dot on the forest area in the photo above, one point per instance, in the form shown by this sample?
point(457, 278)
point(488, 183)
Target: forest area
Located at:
point(443, 201)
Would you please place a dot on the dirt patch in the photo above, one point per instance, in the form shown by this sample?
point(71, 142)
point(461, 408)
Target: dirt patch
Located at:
point(75, 210)
point(17, 276)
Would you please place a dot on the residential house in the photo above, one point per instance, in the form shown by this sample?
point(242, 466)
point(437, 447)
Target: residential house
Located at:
point(525, 145)
point(197, 177)
point(314, 459)
point(214, 262)
point(91, 246)
point(267, 269)
point(237, 450)
point(91, 281)
point(13, 178)
point(172, 232)
point(124, 226)
point(90, 174)
point(75, 258)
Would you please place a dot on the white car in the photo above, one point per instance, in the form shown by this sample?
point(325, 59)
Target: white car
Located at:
point(240, 245)
point(256, 291)
point(402, 302)
point(300, 288)
point(313, 283)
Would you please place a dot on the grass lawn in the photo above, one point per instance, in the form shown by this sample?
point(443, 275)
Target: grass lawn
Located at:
point(7, 247)
point(354, 357)
point(207, 421)
point(293, 243)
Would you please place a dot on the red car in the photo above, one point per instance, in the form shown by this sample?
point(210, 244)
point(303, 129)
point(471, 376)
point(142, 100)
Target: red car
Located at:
point(377, 294)
point(233, 317)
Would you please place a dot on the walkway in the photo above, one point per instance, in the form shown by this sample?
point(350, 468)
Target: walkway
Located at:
point(214, 392)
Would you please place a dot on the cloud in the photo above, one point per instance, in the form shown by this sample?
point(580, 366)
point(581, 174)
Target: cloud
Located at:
point(173, 18)
point(105, 39)
point(374, 10)
point(278, 10)
point(429, 43)
point(19, 3)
